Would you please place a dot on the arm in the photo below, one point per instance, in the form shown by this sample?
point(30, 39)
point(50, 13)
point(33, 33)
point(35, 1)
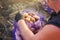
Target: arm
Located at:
point(49, 32)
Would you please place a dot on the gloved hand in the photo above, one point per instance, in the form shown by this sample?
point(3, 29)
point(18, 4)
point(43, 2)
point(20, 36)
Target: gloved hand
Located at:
point(18, 16)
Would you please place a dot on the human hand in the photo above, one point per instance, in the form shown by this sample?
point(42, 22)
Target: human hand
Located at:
point(30, 17)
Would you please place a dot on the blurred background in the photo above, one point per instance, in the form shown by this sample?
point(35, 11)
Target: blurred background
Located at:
point(8, 10)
